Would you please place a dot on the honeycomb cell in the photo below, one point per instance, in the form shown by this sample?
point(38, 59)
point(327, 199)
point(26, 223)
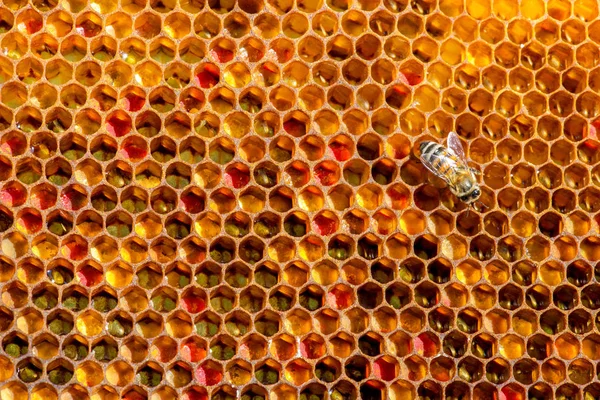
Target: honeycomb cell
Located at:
point(492, 31)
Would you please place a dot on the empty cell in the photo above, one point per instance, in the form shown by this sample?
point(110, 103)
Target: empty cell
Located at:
point(454, 247)
point(578, 223)
point(480, 102)
point(509, 151)
point(453, 101)
point(496, 175)
point(523, 175)
point(467, 224)
point(536, 152)
point(467, 77)
point(550, 176)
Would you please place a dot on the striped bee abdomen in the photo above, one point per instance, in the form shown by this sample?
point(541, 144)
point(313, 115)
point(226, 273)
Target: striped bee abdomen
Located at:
point(438, 156)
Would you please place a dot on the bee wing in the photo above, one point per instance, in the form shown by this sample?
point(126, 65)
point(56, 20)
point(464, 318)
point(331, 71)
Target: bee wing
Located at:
point(433, 170)
point(455, 146)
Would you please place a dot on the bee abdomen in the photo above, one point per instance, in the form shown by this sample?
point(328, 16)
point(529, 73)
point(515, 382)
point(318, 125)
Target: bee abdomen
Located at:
point(434, 153)
point(430, 149)
point(425, 147)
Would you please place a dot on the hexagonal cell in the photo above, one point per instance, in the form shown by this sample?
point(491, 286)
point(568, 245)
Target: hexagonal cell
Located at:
point(510, 248)
point(15, 295)
point(468, 272)
point(60, 272)
point(29, 370)
point(580, 371)
point(58, 322)
point(356, 320)
point(15, 344)
point(30, 270)
point(149, 375)
point(237, 225)
point(77, 299)
point(426, 294)
point(539, 347)
point(298, 372)
point(105, 349)
point(370, 296)
point(223, 348)
point(577, 223)
point(44, 346)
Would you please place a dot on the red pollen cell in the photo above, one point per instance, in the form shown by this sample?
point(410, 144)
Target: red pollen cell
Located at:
point(89, 276)
point(236, 178)
point(508, 393)
point(75, 251)
point(192, 203)
point(284, 54)
point(88, 29)
point(33, 25)
point(208, 77)
point(208, 376)
point(13, 196)
point(384, 370)
point(323, 225)
point(72, 200)
point(194, 394)
point(43, 199)
point(310, 349)
point(134, 150)
point(424, 345)
point(192, 352)
point(399, 154)
point(193, 304)
point(132, 102)
point(31, 222)
point(339, 151)
point(118, 127)
point(221, 55)
point(593, 131)
point(269, 67)
point(14, 146)
point(591, 144)
point(325, 176)
point(399, 89)
point(133, 395)
point(398, 197)
point(339, 298)
point(410, 78)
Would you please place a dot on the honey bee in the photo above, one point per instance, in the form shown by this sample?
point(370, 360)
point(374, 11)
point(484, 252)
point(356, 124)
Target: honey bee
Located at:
point(450, 164)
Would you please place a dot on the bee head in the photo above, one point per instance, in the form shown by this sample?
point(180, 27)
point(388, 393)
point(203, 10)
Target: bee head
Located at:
point(472, 196)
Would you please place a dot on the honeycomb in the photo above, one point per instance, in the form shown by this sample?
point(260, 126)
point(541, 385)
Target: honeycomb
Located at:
point(222, 199)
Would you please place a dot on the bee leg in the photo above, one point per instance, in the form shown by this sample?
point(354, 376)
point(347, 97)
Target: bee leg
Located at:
point(480, 203)
point(475, 171)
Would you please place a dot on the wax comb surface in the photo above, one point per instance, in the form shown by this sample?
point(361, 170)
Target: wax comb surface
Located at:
point(222, 199)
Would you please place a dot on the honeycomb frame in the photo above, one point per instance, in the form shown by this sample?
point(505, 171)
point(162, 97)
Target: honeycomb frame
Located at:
point(222, 199)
